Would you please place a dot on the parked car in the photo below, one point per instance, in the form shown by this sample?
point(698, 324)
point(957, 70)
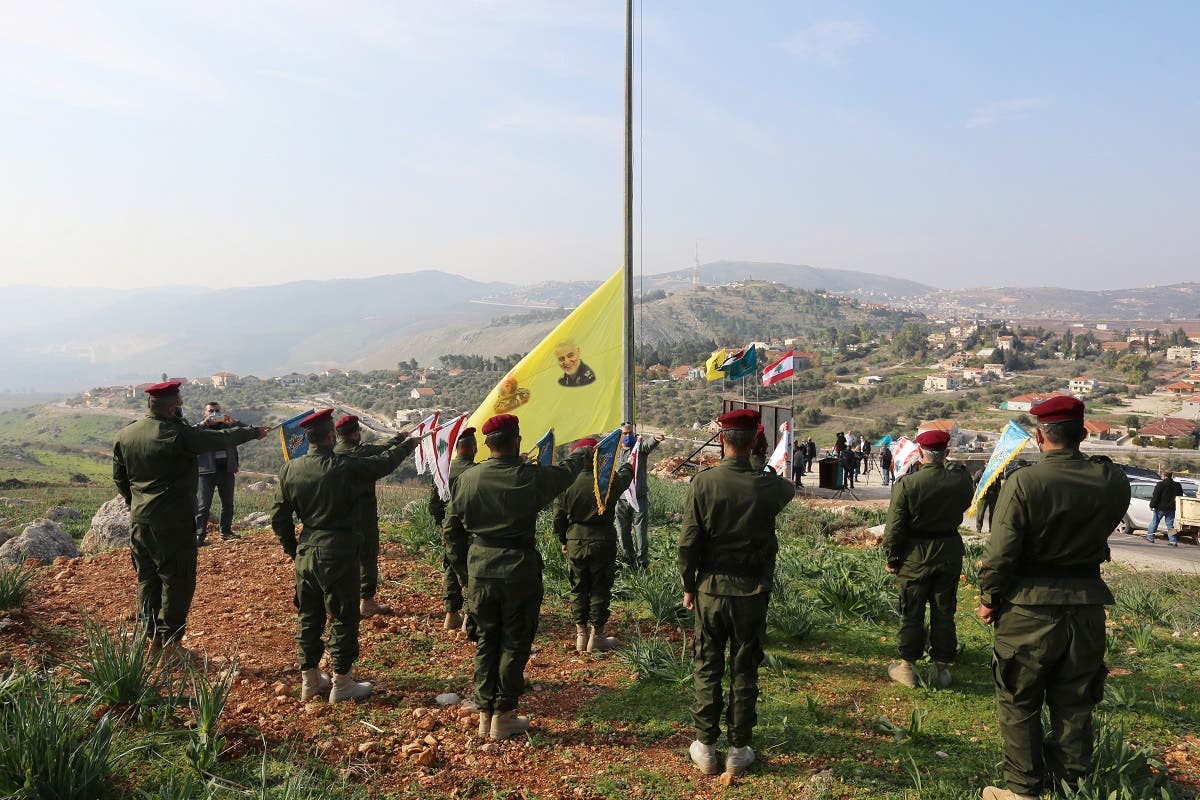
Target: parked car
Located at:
point(1137, 518)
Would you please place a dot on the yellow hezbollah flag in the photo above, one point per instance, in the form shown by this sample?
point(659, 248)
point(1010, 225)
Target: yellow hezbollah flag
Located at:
point(712, 366)
point(572, 380)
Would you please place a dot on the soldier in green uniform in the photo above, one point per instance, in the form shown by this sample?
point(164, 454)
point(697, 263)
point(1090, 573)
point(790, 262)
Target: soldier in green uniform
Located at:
point(1040, 586)
point(323, 488)
point(453, 576)
point(727, 553)
point(588, 538)
point(154, 468)
point(497, 502)
point(366, 515)
point(925, 553)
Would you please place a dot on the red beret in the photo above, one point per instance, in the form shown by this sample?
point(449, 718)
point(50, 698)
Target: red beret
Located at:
point(317, 417)
point(163, 389)
point(740, 419)
point(933, 440)
point(587, 441)
point(1058, 409)
point(349, 421)
point(465, 432)
point(500, 422)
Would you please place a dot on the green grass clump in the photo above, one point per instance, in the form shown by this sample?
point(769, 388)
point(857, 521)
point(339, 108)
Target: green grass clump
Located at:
point(14, 585)
point(119, 669)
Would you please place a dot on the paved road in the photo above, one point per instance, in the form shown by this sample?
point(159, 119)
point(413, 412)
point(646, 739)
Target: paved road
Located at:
point(1135, 551)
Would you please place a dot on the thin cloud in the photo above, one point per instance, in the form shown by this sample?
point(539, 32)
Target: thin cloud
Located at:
point(1014, 108)
point(826, 42)
point(543, 120)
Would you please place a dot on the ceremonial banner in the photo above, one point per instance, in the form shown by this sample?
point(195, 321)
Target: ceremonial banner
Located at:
point(1010, 444)
point(293, 438)
point(425, 450)
point(604, 466)
point(713, 366)
point(444, 438)
point(742, 364)
point(545, 449)
point(783, 451)
point(904, 452)
point(571, 381)
point(635, 455)
point(782, 369)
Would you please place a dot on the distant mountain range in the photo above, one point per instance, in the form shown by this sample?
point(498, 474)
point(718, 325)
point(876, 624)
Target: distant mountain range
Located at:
point(69, 339)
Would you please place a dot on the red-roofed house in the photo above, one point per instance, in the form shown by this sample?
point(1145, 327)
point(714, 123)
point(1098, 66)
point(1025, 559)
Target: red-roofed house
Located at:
point(1097, 430)
point(1024, 402)
point(1180, 387)
point(947, 425)
point(1166, 428)
point(422, 393)
point(223, 380)
point(683, 373)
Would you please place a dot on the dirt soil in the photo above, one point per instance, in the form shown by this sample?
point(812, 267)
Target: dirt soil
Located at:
point(400, 738)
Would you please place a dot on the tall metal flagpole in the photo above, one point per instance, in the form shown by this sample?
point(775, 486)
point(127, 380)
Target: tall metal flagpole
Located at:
point(627, 377)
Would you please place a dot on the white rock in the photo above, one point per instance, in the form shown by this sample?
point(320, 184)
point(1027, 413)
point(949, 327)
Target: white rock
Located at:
point(109, 530)
point(44, 540)
point(447, 699)
point(877, 531)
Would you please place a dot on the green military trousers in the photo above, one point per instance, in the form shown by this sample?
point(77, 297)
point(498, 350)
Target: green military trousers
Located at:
point(452, 583)
point(165, 561)
point(505, 617)
point(368, 562)
point(327, 589)
point(593, 568)
point(738, 624)
point(1052, 655)
point(937, 590)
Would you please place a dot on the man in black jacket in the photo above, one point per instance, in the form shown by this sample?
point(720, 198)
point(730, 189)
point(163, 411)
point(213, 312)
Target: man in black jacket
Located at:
point(1162, 506)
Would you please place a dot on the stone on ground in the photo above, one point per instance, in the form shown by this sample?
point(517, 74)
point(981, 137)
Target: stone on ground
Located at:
point(109, 530)
point(44, 540)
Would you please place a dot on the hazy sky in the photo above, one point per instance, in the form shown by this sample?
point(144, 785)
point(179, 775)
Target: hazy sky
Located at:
point(237, 142)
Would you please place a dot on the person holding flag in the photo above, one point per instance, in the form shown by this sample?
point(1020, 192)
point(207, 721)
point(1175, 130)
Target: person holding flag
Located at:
point(324, 489)
point(497, 502)
point(454, 577)
point(585, 530)
point(366, 511)
point(633, 518)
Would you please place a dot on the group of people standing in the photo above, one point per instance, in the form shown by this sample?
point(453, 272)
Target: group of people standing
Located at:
point(1039, 579)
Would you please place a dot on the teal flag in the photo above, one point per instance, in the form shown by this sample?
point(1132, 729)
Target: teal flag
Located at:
point(742, 364)
point(1008, 447)
point(545, 449)
point(604, 465)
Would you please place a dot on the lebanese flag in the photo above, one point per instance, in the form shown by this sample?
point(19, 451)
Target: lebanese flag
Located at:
point(904, 452)
point(783, 451)
point(782, 369)
point(445, 437)
point(425, 448)
point(635, 455)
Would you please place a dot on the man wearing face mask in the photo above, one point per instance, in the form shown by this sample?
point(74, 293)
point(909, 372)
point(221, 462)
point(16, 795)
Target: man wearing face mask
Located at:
point(154, 468)
point(633, 524)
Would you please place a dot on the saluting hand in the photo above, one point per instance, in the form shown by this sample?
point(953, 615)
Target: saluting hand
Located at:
point(689, 600)
point(986, 615)
point(260, 432)
point(658, 437)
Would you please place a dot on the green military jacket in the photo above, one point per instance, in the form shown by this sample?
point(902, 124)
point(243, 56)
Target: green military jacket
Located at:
point(323, 489)
point(437, 506)
point(923, 518)
point(154, 467)
point(366, 510)
point(576, 515)
point(727, 545)
point(1050, 532)
point(497, 502)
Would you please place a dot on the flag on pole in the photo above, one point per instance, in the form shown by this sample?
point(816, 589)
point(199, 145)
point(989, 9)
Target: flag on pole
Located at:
point(571, 381)
point(444, 438)
point(425, 447)
point(742, 363)
point(1010, 444)
point(781, 369)
point(292, 437)
point(783, 451)
point(604, 467)
point(545, 449)
point(904, 452)
point(714, 365)
point(635, 455)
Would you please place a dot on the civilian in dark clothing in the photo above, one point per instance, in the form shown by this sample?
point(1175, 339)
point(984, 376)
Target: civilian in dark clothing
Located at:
point(812, 454)
point(849, 461)
point(1162, 507)
point(218, 472)
point(885, 464)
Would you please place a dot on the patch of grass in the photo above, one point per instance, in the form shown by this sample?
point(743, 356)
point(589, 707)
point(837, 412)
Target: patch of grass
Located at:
point(119, 669)
point(656, 658)
point(14, 585)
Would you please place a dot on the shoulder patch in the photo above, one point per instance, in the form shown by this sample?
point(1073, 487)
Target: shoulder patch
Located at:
point(1100, 459)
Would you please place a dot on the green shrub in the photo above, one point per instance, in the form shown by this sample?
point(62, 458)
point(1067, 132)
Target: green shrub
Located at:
point(1120, 770)
point(120, 670)
point(207, 704)
point(14, 584)
point(659, 590)
point(1145, 600)
point(655, 658)
point(789, 614)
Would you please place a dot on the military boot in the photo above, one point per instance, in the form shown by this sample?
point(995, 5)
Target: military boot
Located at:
point(581, 638)
point(506, 724)
point(903, 673)
point(704, 757)
point(367, 607)
point(346, 688)
point(995, 793)
point(941, 675)
point(739, 759)
point(453, 621)
point(176, 656)
point(155, 644)
point(485, 723)
point(313, 683)
point(599, 643)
